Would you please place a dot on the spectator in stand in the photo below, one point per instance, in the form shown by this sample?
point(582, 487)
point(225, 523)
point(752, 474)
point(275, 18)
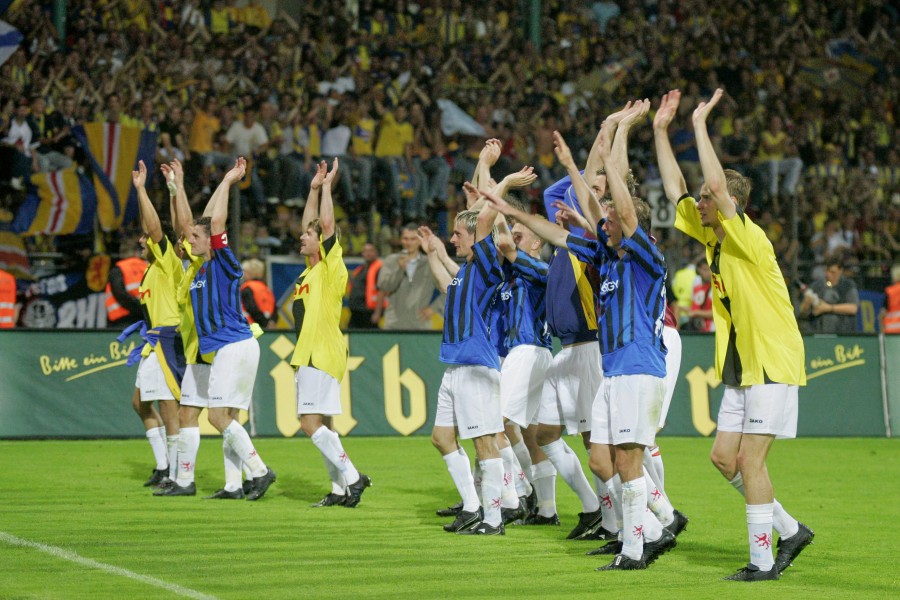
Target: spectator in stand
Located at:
point(393, 154)
point(248, 138)
point(831, 303)
point(779, 158)
point(17, 147)
point(700, 314)
point(406, 288)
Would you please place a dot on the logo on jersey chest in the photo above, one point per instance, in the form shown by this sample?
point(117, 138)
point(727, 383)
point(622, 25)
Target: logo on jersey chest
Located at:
point(301, 289)
point(198, 284)
point(455, 281)
point(609, 286)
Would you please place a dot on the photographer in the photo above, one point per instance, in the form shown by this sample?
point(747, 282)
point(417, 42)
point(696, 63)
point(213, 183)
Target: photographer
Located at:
point(831, 304)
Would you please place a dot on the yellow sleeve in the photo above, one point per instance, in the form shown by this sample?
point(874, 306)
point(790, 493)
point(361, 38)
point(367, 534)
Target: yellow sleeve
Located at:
point(746, 239)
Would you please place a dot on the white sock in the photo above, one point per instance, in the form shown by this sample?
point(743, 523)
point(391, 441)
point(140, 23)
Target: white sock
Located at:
point(509, 497)
point(239, 440)
point(653, 529)
point(759, 529)
point(569, 468)
point(657, 501)
point(188, 446)
point(523, 481)
point(338, 484)
point(329, 444)
point(477, 477)
point(634, 508)
point(172, 454)
point(157, 439)
point(491, 488)
point(653, 462)
point(784, 524)
point(461, 473)
point(543, 477)
point(614, 485)
point(232, 467)
point(605, 496)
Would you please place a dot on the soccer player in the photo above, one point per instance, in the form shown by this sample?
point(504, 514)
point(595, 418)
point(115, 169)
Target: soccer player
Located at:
point(630, 321)
point(469, 397)
point(320, 356)
point(162, 364)
point(759, 351)
point(222, 328)
point(525, 344)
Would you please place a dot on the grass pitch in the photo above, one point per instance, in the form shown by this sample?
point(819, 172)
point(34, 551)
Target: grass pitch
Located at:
point(76, 523)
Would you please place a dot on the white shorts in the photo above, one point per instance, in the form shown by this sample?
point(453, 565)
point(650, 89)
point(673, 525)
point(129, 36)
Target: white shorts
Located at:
point(318, 393)
point(572, 382)
point(469, 399)
point(765, 409)
point(151, 381)
point(626, 410)
point(522, 377)
point(233, 374)
point(195, 386)
point(672, 340)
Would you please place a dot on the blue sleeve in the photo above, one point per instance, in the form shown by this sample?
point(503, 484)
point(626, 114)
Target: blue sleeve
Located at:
point(585, 250)
point(486, 262)
point(530, 268)
point(228, 262)
point(645, 253)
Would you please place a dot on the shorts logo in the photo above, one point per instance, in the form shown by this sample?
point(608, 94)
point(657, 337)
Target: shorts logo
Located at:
point(472, 427)
point(624, 431)
point(756, 421)
point(216, 398)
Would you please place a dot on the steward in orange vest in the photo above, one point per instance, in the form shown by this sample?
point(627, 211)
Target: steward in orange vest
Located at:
point(257, 300)
point(123, 305)
point(891, 322)
point(362, 290)
point(7, 300)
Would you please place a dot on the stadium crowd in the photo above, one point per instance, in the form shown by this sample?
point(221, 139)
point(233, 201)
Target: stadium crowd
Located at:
point(809, 113)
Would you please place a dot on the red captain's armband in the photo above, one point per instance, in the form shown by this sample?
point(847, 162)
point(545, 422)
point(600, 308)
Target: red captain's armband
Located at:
point(217, 242)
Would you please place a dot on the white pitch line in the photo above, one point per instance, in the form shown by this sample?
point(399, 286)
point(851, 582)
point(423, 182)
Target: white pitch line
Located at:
point(87, 562)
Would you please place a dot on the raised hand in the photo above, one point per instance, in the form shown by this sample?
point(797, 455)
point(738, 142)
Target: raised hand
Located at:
point(667, 110)
point(636, 114)
point(178, 169)
point(563, 154)
point(332, 174)
point(471, 193)
point(319, 178)
point(490, 154)
point(238, 171)
point(498, 203)
point(567, 214)
point(522, 178)
point(139, 177)
point(704, 108)
point(617, 116)
point(426, 235)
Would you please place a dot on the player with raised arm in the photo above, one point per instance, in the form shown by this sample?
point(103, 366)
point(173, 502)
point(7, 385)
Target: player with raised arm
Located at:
point(162, 364)
point(630, 314)
point(759, 350)
point(469, 397)
point(223, 329)
point(320, 356)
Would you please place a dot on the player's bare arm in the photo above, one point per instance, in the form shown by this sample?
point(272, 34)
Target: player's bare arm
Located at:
point(713, 174)
point(672, 178)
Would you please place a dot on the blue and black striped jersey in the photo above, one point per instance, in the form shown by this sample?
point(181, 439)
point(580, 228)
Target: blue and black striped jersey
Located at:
point(467, 312)
point(631, 303)
point(216, 298)
point(522, 298)
point(571, 297)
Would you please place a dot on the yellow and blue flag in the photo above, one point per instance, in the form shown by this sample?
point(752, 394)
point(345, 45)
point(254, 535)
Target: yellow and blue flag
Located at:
point(113, 151)
point(58, 203)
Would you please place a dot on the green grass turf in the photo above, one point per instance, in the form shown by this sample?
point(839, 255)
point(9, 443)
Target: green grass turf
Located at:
point(86, 497)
